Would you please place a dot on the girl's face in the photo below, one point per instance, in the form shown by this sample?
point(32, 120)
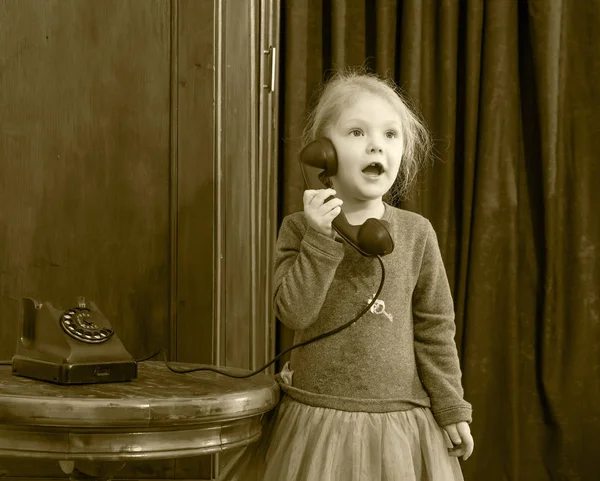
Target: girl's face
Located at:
point(368, 139)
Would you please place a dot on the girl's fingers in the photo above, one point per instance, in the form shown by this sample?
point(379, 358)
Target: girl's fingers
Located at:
point(333, 213)
point(453, 434)
point(464, 446)
point(456, 451)
point(320, 197)
point(308, 196)
point(320, 210)
point(467, 439)
point(333, 203)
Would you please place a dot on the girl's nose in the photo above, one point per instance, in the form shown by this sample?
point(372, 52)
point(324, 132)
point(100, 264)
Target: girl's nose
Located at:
point(374, 147)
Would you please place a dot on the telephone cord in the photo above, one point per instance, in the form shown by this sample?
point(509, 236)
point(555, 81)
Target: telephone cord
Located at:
point(295, 346)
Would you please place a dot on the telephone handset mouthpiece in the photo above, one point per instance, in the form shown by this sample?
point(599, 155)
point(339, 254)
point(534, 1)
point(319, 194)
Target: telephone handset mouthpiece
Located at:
point(372, 238)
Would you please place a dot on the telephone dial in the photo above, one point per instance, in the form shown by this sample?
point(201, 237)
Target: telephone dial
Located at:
point(73, 346)
point(371, 238)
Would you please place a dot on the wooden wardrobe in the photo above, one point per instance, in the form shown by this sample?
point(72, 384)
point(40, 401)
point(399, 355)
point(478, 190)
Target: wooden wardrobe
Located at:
point(138, 168)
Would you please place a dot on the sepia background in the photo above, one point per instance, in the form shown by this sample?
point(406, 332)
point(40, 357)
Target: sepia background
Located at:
point(147, 155)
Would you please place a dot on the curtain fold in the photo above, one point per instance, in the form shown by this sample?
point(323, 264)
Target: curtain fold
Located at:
point(511, 94)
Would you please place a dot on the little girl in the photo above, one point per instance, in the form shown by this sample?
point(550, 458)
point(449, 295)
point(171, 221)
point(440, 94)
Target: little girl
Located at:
point(379, 399)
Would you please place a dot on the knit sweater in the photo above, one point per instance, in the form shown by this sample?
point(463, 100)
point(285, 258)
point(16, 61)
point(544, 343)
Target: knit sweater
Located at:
point(401, 354)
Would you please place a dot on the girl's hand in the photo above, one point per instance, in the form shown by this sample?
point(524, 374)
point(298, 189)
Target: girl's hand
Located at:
point(460, 435)
point(319, 214)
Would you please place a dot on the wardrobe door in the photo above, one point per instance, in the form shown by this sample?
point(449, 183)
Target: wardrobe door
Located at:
point(222, 302)
point(138, 169)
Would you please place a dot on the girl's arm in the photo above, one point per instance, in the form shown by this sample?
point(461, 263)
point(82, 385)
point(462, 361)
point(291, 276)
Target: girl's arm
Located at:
point(305, 265)
point(434, 330)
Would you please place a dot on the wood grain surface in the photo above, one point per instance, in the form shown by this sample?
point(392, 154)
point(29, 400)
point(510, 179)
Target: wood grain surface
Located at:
point(162, 414)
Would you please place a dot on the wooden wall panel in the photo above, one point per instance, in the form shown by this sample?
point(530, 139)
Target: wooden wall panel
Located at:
point(84, 172)
point(195, 180)
point(237, 140)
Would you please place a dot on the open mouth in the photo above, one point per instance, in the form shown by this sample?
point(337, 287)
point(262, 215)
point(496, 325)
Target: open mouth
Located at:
point(374, 169)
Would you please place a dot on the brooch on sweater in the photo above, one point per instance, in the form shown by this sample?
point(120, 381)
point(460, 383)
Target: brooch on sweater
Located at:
point(378, 307)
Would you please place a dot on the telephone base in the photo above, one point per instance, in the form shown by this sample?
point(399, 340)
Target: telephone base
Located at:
point(83, 373)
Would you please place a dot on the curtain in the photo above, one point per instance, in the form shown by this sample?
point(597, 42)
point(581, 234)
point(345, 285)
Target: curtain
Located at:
point(510, 90)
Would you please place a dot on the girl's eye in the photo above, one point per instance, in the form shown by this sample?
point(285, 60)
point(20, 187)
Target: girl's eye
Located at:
point(391, 134)
point(356, 132)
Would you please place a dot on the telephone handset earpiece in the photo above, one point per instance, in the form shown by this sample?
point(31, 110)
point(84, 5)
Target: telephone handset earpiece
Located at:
point(371, 238)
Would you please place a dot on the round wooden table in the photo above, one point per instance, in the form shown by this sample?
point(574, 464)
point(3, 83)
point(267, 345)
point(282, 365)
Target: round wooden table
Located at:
point(92, 430)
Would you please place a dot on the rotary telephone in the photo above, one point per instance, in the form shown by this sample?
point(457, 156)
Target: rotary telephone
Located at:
point(372, 238)
point(73, 346)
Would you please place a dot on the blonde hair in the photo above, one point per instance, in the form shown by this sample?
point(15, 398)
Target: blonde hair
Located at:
point(342, 89)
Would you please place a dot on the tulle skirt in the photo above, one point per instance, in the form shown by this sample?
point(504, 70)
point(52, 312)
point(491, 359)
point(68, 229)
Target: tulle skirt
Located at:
point(306, 443)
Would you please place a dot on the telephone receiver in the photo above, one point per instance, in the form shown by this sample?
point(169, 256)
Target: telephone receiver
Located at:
point(372, 238)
